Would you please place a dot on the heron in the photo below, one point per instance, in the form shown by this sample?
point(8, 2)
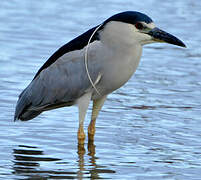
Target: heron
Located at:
point(90, 67)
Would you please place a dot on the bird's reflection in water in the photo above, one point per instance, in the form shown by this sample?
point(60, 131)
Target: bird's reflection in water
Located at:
point(96, 169)
point(91, 152)
point(31, 162)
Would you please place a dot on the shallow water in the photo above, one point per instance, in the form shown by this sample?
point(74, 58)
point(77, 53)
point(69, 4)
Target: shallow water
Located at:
point(148, 129)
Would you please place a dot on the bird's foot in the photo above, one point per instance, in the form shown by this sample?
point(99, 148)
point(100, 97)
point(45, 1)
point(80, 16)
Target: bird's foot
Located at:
point(91, 148)
point(91, 131)
point(81, 136)
point(91, 137)
point(81, 150)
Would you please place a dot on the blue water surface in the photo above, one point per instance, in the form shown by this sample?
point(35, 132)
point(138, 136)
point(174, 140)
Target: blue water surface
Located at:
point(148, 129)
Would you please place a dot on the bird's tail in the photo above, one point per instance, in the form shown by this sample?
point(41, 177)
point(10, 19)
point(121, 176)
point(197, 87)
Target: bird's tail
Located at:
point(22, 111)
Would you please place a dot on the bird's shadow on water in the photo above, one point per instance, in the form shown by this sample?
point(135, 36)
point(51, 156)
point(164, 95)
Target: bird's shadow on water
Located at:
point(27, 161)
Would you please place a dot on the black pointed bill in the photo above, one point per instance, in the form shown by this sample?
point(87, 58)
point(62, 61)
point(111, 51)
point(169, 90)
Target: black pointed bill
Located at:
point(162, 36)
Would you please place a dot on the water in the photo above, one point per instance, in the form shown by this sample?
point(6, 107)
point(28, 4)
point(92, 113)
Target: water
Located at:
point(149, 129)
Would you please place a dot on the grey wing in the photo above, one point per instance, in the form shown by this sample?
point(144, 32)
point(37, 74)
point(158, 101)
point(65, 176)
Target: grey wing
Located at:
point(61, 84)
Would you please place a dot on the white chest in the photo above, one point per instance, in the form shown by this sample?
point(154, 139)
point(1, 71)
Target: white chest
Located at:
point(117, 68)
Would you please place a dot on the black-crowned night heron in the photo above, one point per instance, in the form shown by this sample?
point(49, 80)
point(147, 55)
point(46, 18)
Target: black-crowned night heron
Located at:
point(90, 67)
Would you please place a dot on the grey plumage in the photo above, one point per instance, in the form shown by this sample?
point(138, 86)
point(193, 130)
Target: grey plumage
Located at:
point(48, 91)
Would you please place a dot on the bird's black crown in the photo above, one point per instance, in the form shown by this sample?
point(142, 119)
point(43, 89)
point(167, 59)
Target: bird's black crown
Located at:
point(131, 17)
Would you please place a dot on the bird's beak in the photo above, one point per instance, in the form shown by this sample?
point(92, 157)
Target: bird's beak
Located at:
point(162, 36)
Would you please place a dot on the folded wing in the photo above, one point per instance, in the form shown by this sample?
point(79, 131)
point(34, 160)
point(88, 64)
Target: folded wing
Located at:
point(58, 85)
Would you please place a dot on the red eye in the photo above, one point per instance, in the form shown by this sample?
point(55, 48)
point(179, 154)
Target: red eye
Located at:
point(139, 26)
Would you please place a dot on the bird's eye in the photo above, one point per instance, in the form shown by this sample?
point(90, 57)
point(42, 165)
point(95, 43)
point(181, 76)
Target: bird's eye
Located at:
point(139, 26)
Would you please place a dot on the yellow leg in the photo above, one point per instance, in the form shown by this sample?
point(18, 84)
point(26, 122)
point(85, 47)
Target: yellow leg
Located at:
point(81, 135)
point(91, 130)
point(97, 105)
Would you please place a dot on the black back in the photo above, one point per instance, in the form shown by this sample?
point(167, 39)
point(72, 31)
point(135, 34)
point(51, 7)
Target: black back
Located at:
point(76, 44)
